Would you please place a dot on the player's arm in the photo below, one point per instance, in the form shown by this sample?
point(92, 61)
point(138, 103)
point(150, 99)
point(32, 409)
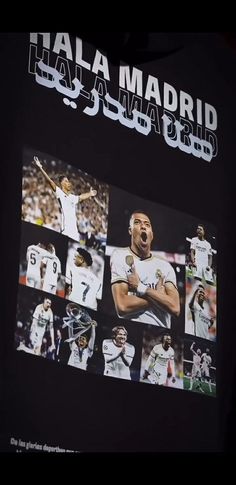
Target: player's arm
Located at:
point(192, 301)
point(127, 304)
point(52, 337)
point(87, 195)
point(166, 298)
point(49, 180)
point(92, 338)
point(127, 359)
point(172, 369)
point(149, 364)
point(209, 259)
point(192, 256)
point(191, 348)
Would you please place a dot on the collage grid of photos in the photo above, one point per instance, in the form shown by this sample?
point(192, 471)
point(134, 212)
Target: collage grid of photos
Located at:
point(113, 284)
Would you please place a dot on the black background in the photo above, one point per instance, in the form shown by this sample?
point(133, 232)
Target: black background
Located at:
point(40, 401)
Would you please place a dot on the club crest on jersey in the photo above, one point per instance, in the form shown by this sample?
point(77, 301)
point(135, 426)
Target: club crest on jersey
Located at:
point(158, 273)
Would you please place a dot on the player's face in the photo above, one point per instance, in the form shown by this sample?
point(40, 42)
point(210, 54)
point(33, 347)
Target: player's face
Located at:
point(121, 338)
point(201, 295)
point(78, 259)
point(199, 351)
point(166, 341)
point(65, 184)
point(141, 230)
point(200, 231)
point(47, 304)
point(82, 342)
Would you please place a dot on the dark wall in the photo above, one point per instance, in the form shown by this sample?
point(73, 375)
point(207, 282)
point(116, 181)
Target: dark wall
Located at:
point(70, 409)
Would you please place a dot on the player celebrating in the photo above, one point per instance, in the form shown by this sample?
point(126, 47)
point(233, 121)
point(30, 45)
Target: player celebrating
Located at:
point(83, 284)
point(206, 361)
point(82, 349)
point(196, 369)
point(201, 316)
point(143, 285)
point(159, 361)
point(67, 202)
point(52, 266)
point(118, 354)
point(42, 317)
point(201, 256)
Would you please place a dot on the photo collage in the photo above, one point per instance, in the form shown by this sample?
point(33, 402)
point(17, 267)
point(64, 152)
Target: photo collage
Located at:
point(113, 284)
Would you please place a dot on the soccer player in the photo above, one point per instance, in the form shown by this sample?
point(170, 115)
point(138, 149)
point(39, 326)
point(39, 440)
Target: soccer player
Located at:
point(42, 318)
point(143, 286)
point(201, 317)
point(160, 360)
point(82, 349)
point(52, 267)
point(196, 369)
point(206, 361)
point(84, 285)
point(118, 354)
point(34, 256)
point(67, 202)
point(201, 256)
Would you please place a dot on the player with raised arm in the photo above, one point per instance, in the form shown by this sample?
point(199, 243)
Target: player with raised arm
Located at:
point(82, 348)
point(206, 362)
point(201, 256)
point(159, 361)
point(34, 256)
point(82, 284)
point(52, 270)
point(143, 286)
point(42, 317)
point(196, 369)
point(67, 202)
point(202, 319)
point(118, 354)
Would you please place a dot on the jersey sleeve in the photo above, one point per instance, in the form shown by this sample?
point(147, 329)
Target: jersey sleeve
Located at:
point(171, 276)
point(75, 198)
point(118, 272)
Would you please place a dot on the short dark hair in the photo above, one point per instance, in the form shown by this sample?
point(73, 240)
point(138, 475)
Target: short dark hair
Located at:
point(61, 177)
point(136, 211)
point(85, 255)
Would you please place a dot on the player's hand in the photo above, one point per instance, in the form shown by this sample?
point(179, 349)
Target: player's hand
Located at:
point(94, 323)
point(160, 285)
point(37, 162)
point(93, 192)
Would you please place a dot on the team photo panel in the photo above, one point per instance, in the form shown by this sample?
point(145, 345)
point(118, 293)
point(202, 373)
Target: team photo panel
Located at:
point(65, 199)
point(145, 262)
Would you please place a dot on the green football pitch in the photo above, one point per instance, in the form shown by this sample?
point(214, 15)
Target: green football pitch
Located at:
point(204, 386)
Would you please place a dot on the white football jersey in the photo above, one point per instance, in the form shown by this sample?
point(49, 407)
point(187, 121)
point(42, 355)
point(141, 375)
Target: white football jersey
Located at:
point(206, 363)
point(157, 363)
point(149, 271)
point(34, 257)
point(52, 270)
point(117, 368)
point(68, 204)
point(79, 357)
point(202, 321)
point(202, 250)
point(44, 318)
point(85, 286)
